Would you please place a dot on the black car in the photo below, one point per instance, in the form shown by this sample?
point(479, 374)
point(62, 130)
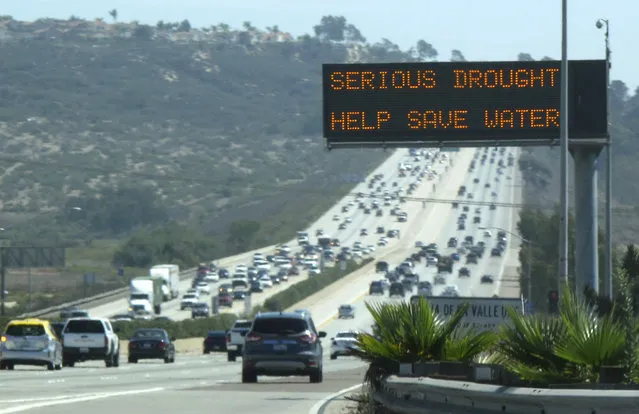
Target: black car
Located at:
point(376, 288)
point(464, 272)
point(151, 344)
point(200, 310)
point(215, 341)
point(471, 258)
point(486, 279)
point(396, 289)
point(381, 267)
point(495, 252)
point(283, 344)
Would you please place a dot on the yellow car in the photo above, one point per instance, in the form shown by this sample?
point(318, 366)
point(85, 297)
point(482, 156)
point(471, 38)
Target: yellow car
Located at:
point(30, 342)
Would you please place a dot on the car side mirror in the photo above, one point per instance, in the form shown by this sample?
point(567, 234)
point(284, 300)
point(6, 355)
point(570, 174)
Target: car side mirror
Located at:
point(322, 334)
point(173, 339)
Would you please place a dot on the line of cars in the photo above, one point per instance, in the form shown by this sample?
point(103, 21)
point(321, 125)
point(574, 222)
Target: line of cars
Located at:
point(39, 342)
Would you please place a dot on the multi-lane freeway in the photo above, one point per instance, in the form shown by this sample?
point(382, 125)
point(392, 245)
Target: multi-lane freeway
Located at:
point(329, 223)
point(196, 382)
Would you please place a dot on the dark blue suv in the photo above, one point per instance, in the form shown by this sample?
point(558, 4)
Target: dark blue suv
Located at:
point(282, 344)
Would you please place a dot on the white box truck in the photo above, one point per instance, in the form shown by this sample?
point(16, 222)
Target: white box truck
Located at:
point(145, 293)
point(170, 275)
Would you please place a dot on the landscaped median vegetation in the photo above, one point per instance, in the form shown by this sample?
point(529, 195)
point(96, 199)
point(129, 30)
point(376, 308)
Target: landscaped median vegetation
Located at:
point(578, 345)
point(193, 328)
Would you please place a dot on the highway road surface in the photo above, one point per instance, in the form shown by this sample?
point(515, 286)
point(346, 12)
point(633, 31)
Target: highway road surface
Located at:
point(196, 383)
point(329, 224)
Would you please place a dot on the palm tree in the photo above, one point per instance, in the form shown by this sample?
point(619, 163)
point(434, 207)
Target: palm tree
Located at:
point(569, 348)
point(409, 333)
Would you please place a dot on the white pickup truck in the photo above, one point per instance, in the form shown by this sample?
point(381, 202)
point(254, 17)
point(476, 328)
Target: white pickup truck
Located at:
point(89, 339)
point(235, 338)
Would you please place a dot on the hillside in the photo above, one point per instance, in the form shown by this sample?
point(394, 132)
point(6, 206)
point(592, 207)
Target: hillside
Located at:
point(219, 124)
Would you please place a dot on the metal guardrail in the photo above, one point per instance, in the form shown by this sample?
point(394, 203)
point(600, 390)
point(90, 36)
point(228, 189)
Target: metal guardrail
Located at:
point(430, 396)
point(112, 294)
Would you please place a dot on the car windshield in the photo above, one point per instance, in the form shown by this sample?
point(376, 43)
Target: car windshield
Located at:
point(84, 326)
point(345, 307)
point(200, 305)
point(279, 325)
point(25, 330)
point(148, 334)
point(189, 296)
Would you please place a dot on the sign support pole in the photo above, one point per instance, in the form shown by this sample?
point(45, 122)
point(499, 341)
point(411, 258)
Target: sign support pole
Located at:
point(587, 221)
point(563, 134)
point(3, 277)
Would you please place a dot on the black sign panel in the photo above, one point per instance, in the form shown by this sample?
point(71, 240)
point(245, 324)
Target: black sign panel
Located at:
point(444, 102)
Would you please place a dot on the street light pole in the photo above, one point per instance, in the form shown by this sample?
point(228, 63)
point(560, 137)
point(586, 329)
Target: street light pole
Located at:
point(607, 287)
point(563, 140)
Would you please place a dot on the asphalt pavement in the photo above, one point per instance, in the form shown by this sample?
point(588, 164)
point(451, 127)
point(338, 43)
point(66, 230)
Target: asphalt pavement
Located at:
point(196, 383)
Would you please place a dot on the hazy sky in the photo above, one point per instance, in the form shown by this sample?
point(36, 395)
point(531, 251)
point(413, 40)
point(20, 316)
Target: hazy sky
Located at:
point(481, 29)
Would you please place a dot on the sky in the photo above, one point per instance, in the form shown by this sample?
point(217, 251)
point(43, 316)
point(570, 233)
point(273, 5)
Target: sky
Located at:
point(481, 29)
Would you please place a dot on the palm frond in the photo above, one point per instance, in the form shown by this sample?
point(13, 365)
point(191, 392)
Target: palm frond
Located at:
point(466, 345)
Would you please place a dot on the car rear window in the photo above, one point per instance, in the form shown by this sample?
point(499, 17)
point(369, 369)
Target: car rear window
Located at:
point(25, 330)
point(148, 334)
point(242, 325)
point(284, 326)
point(84, 326)
point(346, 335)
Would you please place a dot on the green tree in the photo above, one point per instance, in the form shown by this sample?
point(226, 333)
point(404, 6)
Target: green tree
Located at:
point(114, 14)
point(425, 50)
point(331, 28)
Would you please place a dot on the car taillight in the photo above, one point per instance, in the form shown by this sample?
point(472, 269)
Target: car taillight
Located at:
point(251, 337)
point(132, 345)
point(309, 339)
point(162, 344)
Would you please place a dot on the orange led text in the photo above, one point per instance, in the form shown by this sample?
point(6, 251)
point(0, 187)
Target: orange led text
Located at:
point(505, 78)
point(521, 118)
point(358, 121)
point(453, 119)
point(380, 80)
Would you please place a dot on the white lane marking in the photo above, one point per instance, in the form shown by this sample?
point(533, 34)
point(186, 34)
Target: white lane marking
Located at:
point(108, 378)
point(77, 399)
point(55, 381)
point(319, 406)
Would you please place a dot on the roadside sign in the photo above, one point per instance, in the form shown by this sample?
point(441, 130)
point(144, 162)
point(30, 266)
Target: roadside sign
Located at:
point(451, 149)
point(484, 314)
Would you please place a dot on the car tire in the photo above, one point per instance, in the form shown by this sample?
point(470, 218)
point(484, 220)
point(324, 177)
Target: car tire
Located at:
point(316, 376)
point(230, 356)
point(50, 366)
point(248, 377)
point(116, 360)
point(167, 360)
point(58, 367)
point(69, 364)
point(206, 351)
point(333, 356)
point(133, 360)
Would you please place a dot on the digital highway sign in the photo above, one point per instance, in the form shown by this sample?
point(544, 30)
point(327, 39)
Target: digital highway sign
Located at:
point(452, 103)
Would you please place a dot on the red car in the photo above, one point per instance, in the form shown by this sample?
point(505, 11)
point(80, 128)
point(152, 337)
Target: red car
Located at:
point(225, 299)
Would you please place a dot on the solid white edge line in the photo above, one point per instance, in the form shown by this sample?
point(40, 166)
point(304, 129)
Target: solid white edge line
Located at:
point(319, 406)
point(73, 400)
